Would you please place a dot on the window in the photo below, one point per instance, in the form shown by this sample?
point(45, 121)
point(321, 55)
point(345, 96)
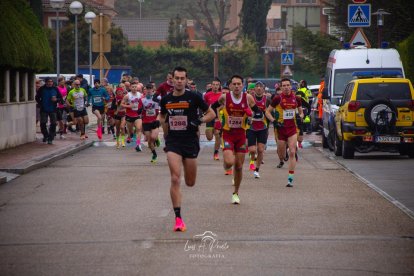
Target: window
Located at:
point(383, 90)
point(13, 86)
point(279, 1)
point(22, 86)
point(53, 22)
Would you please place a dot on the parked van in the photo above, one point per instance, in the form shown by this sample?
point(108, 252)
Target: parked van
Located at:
point(340, 67)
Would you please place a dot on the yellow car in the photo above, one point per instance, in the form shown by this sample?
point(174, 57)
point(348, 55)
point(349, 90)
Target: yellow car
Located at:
point(375, 114)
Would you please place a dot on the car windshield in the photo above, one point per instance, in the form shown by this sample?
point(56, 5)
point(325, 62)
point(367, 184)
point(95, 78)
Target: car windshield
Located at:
point(343, 76)
point(382, 90)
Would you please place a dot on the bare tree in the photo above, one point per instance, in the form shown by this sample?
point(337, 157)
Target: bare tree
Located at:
point(203, 16)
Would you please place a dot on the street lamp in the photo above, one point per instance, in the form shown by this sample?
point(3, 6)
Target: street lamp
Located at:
point(140, 2)
point(57, 5)
point(89, 17)
point(216, 48)
point(266, 49)
point(380, 23)
point(76, 9)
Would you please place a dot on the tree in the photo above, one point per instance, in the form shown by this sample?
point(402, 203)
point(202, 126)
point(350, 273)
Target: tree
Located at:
point(253, 20)
point(397, 26)
point(315, 49)
point(204, 17)
point(177, 33)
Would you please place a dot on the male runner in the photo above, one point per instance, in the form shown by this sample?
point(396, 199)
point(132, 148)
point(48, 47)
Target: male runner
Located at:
point(133, 119)
point(180, 123)
point(210, 98)
point(257, 132)
point(286, 104)
point(150, 124)
point(77, 98)
point(235, 112)
point(119, 116)
point(97, 95)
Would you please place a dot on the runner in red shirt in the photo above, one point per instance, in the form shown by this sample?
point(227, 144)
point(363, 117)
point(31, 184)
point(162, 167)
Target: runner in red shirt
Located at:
point(286, 104)
point(210, 98)
point(235, 112)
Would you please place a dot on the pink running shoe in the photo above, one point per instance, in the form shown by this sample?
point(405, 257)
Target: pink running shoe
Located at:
point(99, 133)
point(179, 225)
point(252, 167)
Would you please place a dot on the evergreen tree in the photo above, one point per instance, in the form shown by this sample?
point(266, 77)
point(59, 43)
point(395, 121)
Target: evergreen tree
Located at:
point(253, 20)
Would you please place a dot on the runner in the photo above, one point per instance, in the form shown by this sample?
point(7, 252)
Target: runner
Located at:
point(61, 108)
point(77, 99)
point(133, 119)
point(97, 96)
point(180, 123)
point(257, 132)
point(210, 98)
point(119, 116)
point(287, 132)
point(235, 112)
point(150, 124)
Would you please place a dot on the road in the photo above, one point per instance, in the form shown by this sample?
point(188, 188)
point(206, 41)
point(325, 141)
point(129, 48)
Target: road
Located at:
point(105, 211)
point(391, 175)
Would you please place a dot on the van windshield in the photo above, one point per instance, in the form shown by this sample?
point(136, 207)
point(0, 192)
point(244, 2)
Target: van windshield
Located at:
point(382, 90)
point(343, 76)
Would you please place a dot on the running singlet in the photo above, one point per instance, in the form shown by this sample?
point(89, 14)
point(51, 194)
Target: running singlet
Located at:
point(77, 98)
point(234, 115)
point(149, 110)
point(259, 121)
point(180, 111)
point(64, 92)
point(286, 106)
point(120, 110)
point(134, 101)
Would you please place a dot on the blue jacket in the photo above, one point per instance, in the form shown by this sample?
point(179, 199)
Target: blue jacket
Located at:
point(44, 98)
point(96, 96)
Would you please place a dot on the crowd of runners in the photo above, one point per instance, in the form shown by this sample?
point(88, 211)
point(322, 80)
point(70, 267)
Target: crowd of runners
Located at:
point(237, 115)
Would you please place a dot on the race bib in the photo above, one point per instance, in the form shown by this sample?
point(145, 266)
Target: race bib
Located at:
point(97, 99)
point(151, 112)
point(79, 105)
point(178, 122)
point(134, 106)
point(288, 113)
point(235, 122)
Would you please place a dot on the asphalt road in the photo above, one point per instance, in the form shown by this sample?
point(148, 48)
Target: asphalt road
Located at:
point(104, 211)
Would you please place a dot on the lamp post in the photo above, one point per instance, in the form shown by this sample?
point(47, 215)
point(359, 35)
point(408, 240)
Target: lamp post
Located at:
point(57, 4)
point(216, 48)
point(266, 49)
point(380, 23)
point(89, 17)
point(140, 2)
point(76, 9)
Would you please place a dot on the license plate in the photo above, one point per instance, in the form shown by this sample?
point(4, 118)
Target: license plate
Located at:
point(388, 139)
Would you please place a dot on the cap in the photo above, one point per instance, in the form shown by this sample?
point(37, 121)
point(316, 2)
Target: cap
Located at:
point(251, 86)
point(260, 83)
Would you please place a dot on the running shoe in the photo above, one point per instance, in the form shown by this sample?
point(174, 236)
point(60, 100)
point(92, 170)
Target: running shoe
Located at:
point(62, 137)
point(99, 133)
point(290, 182)
point(216, 156)
point(235, 199)
point(157, 142)
point(228, 172)
point(179, 225)
point(252, 167)
point(117, 144)
point(154, 158)
point(50, 142)
point(129, 140)
point(114, 136)
point(280, 164)
point(123, 143)
point(82, 137)
point(44, 139)
point(138, 148)
point(256, 174)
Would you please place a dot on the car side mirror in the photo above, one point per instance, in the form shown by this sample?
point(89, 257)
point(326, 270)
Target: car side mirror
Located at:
point(325, 94)
point(340, 102)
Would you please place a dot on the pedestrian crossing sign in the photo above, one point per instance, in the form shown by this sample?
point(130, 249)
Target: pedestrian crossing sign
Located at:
point(287, 58)
point(359, 15)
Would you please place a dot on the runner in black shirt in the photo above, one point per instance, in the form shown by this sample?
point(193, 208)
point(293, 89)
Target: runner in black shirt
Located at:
point(180, 123)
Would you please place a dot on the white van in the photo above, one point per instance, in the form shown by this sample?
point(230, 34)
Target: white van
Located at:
point(66, 76)
point(341, 64)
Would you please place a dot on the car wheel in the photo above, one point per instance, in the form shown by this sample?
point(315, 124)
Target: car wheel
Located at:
point(348, 150)
point(381, 115)
point(337, 146)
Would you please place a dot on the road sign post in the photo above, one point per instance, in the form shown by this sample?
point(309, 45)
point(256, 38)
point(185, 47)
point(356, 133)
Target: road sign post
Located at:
point(101, 42)
point(359, 15)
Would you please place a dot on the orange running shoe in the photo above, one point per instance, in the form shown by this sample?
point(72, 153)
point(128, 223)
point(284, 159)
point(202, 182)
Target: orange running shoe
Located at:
point(179, 225)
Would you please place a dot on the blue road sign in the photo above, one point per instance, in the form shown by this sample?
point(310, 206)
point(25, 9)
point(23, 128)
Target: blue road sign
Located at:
point(287, 58)
point(359, 15)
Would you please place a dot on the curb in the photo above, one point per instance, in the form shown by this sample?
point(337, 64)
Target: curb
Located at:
point(35, 164)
